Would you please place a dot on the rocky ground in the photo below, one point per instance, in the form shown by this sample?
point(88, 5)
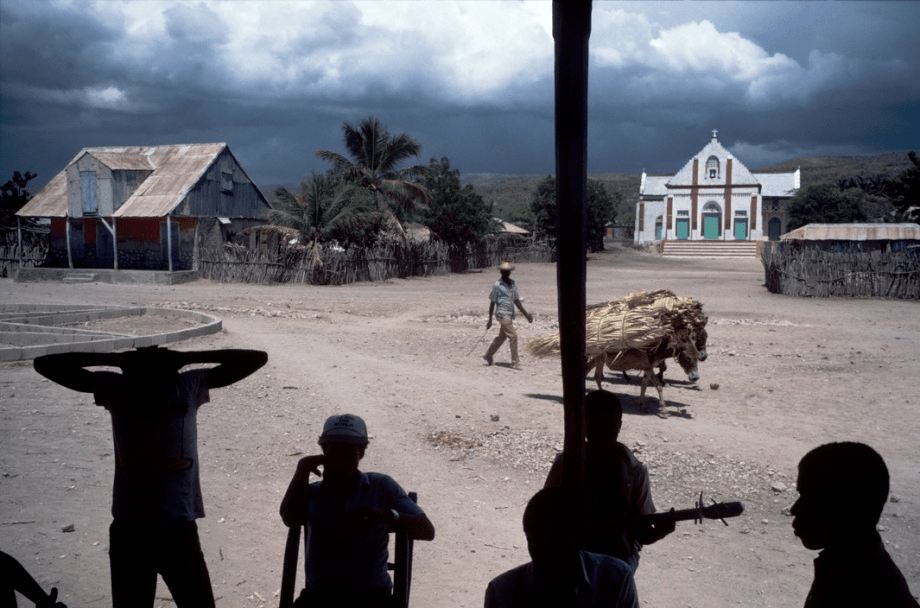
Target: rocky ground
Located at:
point(783, 375)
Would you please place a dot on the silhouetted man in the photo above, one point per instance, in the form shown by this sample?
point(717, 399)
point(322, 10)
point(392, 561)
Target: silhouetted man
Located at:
point(560, 575)
point(842, 491)
point(349, 515)
point(502, 300)
point(156, 496)
point(616, 486)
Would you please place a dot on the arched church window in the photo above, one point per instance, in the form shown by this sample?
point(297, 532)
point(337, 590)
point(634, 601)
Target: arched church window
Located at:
point(712, 167)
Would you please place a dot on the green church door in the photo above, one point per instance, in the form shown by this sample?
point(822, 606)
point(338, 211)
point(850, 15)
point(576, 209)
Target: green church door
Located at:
point(740, 228)
point(774, 229)
point(711, 226)
point(683, 228)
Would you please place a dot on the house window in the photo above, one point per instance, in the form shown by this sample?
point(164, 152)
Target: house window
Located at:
point(712, 167)
point(226, 180)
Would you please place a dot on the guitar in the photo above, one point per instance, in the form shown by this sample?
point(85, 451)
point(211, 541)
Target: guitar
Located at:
point(719, 510)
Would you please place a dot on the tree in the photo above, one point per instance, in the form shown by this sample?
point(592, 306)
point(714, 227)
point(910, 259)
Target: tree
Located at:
point(543, 206)
point(456, 213)
point(825, 204)
point(374, 164)
point(13, 195)
point(905, 192)
point(600, 208)
point(327, 209)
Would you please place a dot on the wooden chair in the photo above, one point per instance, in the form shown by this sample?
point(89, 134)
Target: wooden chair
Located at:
point(401, 566)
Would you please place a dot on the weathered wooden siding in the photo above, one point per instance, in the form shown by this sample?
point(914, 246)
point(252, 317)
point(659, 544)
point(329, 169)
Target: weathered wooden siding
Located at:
point(225, 191)
point(837, 268)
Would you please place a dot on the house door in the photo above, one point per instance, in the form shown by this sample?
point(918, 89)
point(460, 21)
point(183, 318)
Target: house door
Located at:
point(775, 228)
point(105, 255)
point(740, 228)
point(710, 225)
point(658, 229)
point(683, 228)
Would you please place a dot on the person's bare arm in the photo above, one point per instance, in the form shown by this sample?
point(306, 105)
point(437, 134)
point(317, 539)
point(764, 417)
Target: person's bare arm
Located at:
point(520, 306)
point(69, 369)
point(418, 527)
point(491, 312)
point(232, 364)
point(294, 502)
point(20, 580)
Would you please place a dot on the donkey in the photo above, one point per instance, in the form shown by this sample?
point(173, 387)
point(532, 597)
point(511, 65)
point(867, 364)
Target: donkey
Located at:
point(681, 346)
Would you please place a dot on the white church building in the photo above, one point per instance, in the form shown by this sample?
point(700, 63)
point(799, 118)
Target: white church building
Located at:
point(714, 197)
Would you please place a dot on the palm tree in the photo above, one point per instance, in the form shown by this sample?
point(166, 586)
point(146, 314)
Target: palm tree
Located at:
point(374, 161)
point(325, 209)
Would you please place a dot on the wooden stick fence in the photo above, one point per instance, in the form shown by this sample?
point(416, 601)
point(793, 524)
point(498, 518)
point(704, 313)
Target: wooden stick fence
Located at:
point(30, 256)
point(856, 269)
point(336, 266)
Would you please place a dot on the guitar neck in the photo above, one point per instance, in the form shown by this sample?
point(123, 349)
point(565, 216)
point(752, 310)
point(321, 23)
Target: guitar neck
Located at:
point(717, 511)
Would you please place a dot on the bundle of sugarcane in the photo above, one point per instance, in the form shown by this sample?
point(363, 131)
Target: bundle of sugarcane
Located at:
point(640, 320)
point(608, 329)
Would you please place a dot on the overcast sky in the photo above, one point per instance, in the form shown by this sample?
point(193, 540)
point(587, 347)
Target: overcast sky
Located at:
point(472, 81)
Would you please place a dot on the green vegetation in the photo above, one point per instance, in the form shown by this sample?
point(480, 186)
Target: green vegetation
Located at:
point(13, 195)
point(326, 209)
point(456, 213)
point(825, 204)
point(601, 207)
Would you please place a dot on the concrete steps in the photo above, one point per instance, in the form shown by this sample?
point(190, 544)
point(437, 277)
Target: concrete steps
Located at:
point(709, 249)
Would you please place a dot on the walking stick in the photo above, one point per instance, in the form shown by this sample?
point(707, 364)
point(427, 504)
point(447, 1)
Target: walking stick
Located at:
point(478, 341)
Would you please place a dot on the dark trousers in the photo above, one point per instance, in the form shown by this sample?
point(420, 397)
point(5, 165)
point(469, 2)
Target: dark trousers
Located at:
point(138, 552)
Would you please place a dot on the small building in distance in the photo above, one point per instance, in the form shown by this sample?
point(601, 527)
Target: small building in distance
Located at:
point(145, 207)
point(714, 197)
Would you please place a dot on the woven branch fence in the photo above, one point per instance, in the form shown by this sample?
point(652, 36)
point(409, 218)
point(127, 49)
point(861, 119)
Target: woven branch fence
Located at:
point(31, 256)
point(330, 265)
point(851, 269)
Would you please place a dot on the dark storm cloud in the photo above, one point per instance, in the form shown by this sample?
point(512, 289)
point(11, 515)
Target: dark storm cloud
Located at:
point(472, 81)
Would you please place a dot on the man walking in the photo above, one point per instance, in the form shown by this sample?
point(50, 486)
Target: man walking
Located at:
point(502, 300)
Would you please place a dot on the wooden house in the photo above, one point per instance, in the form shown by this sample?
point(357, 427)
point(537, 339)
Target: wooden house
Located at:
point(145, 207)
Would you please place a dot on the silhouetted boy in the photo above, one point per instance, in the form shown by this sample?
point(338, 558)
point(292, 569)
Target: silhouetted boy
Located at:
point(156, 496)
point(560, 574)
point(616, 485)
point(842, 491)
point(349, 515)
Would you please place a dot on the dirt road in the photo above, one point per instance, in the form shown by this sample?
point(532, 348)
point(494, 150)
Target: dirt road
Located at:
point(475, 442)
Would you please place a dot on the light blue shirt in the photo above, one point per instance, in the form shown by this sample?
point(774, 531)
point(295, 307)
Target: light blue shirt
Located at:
point(504, 298)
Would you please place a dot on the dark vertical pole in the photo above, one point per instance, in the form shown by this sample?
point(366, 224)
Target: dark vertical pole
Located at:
point(571, 30)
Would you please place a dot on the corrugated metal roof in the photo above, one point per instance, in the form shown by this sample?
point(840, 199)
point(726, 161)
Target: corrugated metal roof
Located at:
point(176, 169)
point(509, 227)
point(855, 232)
point(131, 162)
point(776, 184)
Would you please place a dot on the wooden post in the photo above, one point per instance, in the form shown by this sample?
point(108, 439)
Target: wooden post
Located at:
point(67, 238)
point(571, 30)
point(19, 237)
point(114, 243)
point(169, 243)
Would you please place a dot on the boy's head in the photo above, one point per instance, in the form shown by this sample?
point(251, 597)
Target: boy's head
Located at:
point(842, 490)
point(549, 525)
point(603, 417)
point(344, 440)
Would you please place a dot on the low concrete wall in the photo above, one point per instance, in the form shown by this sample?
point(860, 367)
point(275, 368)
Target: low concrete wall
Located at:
point(32, 331)
point(103, 275)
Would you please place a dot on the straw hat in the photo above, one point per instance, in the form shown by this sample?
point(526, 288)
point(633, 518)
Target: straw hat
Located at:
point(506, 266)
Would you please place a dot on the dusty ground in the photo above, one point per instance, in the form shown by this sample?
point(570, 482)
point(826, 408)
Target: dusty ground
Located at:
point(791, 374)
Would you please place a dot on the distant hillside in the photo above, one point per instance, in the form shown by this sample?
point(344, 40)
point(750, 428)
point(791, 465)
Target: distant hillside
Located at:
point(504, 189)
